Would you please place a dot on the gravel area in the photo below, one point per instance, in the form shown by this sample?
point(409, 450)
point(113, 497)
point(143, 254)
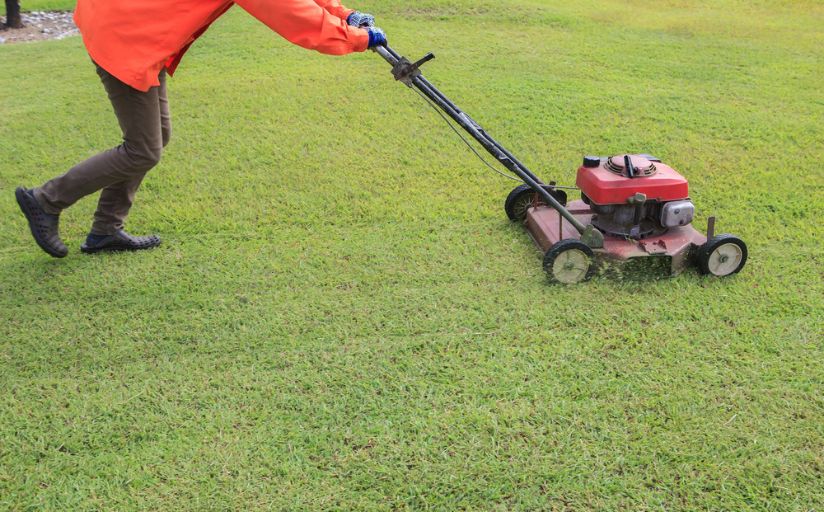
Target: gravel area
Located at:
point(40, 25)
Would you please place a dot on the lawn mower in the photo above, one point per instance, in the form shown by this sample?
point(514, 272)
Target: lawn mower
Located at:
point(632, 206)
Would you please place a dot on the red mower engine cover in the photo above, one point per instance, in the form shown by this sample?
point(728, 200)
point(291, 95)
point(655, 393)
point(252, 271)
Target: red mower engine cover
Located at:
point(606, 181)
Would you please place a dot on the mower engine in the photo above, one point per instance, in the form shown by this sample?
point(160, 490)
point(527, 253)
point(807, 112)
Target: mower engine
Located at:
point(634, 196)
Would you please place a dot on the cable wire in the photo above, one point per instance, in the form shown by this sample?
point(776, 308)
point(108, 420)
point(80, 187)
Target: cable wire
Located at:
point(469, 145)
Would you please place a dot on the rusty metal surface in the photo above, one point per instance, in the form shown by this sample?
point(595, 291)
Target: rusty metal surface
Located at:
point(547, 228)
point(544, 224)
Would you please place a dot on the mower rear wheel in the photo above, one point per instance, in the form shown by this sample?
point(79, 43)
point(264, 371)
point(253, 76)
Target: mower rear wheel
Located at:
point(722, 256)
point(522, 198)
point(568, 262)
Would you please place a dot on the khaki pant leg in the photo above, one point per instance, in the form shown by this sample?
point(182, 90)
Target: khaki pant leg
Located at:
point(116, 200)
point(138, 114)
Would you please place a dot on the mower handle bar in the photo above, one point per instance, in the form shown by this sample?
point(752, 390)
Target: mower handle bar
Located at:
point(410, 74)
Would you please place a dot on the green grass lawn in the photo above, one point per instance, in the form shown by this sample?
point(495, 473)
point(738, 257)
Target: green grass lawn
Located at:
point(39, 5)
point(43, 5)
point(341, 317)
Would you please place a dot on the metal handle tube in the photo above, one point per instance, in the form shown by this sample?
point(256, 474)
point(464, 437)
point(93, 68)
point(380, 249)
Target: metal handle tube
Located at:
point(388, 54)
point(468, 124)
point(478, 133)
point(439, 93)
point(493, 141)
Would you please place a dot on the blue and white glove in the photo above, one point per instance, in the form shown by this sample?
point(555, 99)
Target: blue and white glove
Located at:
point(376, 37)
point(361, 19)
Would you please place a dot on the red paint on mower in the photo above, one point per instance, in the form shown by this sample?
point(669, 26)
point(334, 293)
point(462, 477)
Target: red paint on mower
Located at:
point(608, 184)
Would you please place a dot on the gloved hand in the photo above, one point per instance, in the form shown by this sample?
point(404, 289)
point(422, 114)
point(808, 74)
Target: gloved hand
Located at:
point(361, 19)
point(376, 37)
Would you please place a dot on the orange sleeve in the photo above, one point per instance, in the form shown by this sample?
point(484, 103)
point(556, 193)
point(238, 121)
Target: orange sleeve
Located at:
point(307, 24)
point(335, 8)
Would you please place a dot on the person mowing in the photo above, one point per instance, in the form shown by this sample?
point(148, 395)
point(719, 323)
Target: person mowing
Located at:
point(134, 45)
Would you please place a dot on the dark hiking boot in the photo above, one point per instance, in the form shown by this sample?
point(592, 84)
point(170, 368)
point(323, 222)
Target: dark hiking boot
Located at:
point(119, 241)
point(44, 226)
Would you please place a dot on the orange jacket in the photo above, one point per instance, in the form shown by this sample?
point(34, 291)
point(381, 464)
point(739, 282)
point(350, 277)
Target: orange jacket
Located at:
point(134, 39)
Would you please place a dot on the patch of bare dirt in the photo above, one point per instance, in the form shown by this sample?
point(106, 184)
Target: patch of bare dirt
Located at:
point(39, 25)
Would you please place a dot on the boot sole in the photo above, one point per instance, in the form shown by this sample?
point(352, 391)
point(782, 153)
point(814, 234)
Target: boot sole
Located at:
point(114, 248)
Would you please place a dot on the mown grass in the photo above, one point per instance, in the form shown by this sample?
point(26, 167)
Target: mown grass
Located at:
point(342, 318)
point(47, 5)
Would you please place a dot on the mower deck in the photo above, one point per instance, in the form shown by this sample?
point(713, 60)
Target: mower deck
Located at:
point(547, 227)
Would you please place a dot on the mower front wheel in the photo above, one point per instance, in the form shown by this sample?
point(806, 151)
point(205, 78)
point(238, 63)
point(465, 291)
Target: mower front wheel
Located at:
point(522, 198)
point(569, 262)
point(722, 256)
